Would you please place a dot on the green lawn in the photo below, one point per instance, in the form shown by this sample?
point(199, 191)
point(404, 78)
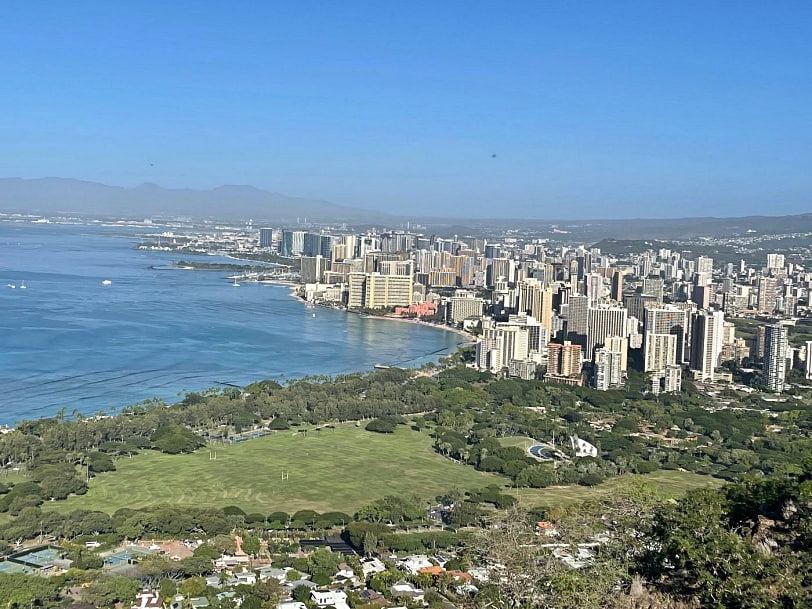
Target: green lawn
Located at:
point(328, 470)
point(520, 441)
point(670, 483)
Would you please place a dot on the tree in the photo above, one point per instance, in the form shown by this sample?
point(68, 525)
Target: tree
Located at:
point(301, 594)
point(109, 593)
point(167, 589)
point(194, 586)
point(269, 590)
point(369, 543)
point(251, 545)
point(381, 426)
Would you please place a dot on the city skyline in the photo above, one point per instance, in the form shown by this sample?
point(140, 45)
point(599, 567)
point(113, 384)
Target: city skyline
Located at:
point(542, 111)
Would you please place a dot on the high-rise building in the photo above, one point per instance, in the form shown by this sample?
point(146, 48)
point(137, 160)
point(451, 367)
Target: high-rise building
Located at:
point(265, 237)
point(536, 299)
point(607, 372)
point(563, 360)
point(668, 380)
point(703, 274)
point(667, 319)
point(464, 305)
point(767, 294)
point(660, 351)
point(617, 286)
point(313, 268)
point(638, 303)
point(376, 291)
point(653, 286)
point(603, 321)
point(775, 356)
point(775, 262)
point(706, 344)
point(292, 243)
point(519, 339)
point(619, 344)
point(577, 319)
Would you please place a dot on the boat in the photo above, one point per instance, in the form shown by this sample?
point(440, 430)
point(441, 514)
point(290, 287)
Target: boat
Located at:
point(106, 282)
point(22, 285)
point(381, 367)
point(235, 284)
point(11, 285)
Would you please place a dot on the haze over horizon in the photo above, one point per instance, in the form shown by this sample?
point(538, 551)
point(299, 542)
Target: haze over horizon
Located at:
point(535, 111)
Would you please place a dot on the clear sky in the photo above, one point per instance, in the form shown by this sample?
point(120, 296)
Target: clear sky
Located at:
point(592, 109)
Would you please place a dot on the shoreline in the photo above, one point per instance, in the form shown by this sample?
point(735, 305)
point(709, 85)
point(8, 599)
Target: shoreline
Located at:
point(469, 338)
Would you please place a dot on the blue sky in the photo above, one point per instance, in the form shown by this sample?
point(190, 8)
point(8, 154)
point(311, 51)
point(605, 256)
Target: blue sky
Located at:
point(593, 109)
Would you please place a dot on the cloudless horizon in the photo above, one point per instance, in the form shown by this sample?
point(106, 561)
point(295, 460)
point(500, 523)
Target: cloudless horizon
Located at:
point(527, 109)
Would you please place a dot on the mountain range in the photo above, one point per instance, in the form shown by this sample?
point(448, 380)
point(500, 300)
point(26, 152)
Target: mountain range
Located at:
point(65, 196)
point(48, 196)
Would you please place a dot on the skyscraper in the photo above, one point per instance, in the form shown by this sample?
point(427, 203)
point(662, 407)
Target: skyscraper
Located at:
point(706, 343)
point(775, 357)
point(604, 321)
point(265, 237)
point(767, 294)
point(606, 369)
point(667, 320)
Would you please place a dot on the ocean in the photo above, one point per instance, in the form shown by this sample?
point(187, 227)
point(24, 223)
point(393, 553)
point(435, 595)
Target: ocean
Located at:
point(69, 341)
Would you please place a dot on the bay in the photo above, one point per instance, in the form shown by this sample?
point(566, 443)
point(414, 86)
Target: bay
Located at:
point(68, 341)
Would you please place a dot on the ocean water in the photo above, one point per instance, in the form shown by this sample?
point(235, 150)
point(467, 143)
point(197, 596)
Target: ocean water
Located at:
point(69, 341)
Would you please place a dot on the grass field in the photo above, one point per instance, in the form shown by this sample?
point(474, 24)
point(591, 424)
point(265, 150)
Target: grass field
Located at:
point(669, 483)
point(328, 470)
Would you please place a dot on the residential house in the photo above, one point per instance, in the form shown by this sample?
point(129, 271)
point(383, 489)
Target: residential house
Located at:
point(326, 598)
point(404, 588)
point(414, 563)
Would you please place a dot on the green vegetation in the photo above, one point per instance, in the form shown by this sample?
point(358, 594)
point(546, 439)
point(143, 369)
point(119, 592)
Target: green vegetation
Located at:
point(667, 483)
point(332, 469)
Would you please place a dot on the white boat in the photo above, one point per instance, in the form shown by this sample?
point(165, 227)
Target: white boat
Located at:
point(235, 284)
point(11, 285)
point(22, 285)
point(106, 282)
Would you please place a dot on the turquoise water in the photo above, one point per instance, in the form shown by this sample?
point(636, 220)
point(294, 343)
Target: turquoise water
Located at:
point(69, 341)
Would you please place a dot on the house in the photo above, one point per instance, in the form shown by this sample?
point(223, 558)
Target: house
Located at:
point(291, 605)
point(175, 550)
point(345, 574)
point(414, 563)
point(460, 576)
point(433, 570)
point(335, 598)
point(372, 597)
point(372, 565)
point(301, 582)
point(147, 599)
point(404, 588)
point(272, 572)
point(248, 578)
point(198, 602)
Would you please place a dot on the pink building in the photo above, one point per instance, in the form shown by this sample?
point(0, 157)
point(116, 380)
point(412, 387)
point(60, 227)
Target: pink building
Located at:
point(423, 309)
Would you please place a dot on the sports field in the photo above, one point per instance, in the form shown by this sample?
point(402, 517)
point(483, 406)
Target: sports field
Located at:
point(341, 469)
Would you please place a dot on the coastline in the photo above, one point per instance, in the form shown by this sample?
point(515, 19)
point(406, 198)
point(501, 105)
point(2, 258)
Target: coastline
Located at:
point(469, 338)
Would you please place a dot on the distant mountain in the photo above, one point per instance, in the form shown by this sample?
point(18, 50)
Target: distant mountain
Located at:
point(62, 195)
